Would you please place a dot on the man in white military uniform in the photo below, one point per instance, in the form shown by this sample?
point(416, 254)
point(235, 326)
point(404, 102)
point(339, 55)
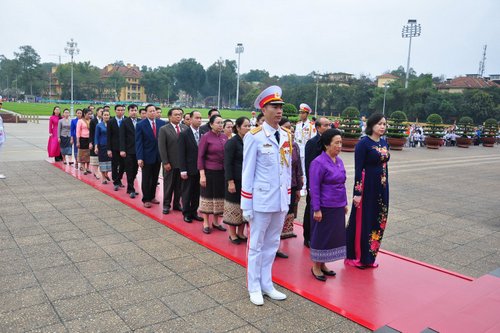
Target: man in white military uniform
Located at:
point(304, 131)
point(265, 193)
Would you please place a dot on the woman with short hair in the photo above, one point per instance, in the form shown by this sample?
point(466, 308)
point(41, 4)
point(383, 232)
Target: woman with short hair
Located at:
point(64, 136)
point(83, 141)
point(101, 146)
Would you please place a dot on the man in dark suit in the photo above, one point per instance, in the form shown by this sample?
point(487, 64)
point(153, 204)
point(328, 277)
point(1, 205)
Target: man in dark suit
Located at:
point(127, 148)
point(188, 157)
point(168, 144)
point(313, 149)
point(205, 128)
point(148, 156)
point(117, 162)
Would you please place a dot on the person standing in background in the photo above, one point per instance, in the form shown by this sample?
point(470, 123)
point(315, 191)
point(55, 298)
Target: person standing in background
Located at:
point(53, 148)
point(94, 160)
point(117, 162)
point(74, 122)
point(64, 136)
point(127, 148)
point(304, 131)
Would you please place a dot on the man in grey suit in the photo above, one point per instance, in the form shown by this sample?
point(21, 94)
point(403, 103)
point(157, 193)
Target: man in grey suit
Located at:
point(168, 144)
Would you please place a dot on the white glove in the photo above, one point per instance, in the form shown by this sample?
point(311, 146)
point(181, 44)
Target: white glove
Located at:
point(248, 215)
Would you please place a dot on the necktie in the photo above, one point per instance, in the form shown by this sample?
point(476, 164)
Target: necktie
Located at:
point(277, 136)
point(154, 128)
point(134, 121)
point(177, 129)
point(197, 137)
point(119, 122)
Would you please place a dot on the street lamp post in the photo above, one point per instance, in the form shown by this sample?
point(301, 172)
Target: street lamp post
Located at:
point(72, 49)
point(412, 29)
point(218, 92)
point(317, 76)
point(239, 51)
point(386, 86)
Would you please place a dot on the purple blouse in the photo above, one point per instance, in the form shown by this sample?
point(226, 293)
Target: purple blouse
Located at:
point(211, 151)
point(327, 183)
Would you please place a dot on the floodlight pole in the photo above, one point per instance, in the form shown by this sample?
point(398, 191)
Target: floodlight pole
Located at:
point(220, 72)
point(316, 99)
point(386, 86)
point(412, 29)
point(72, 50)
point(239, 50)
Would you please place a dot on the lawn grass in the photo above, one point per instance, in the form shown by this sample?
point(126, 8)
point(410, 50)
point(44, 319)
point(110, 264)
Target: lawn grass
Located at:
point(45, 109)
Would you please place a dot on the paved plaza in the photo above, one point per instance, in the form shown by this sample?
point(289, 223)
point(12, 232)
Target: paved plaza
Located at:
point(76, 260)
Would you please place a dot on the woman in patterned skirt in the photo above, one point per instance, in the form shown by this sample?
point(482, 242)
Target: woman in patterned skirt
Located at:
point(83, 143)
point(211, 166)
point(233, 160)
point(101, 141)
point(64, 136)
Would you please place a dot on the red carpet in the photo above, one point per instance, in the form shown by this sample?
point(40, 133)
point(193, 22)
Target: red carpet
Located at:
point(404, 294)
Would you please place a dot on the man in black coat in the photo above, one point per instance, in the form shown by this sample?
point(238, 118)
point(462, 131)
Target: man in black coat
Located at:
point(93, 124)
point(313, 149)
point(127, 148)
point(117, 162)
point(188, 157)
point(206, 128)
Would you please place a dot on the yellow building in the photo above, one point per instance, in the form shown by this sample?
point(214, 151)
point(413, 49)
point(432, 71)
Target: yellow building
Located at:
point(384, 79)
point(133, 90)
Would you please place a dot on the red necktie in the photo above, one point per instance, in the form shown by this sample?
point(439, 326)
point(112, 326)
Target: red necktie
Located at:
point(154, 128)
point(177, 129)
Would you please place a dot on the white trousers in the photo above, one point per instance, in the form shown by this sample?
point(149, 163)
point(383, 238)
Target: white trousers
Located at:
point(264, 241)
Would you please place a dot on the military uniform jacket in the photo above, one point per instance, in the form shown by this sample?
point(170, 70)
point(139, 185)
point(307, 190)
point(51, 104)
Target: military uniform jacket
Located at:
point(267, 170)
point(304, 131)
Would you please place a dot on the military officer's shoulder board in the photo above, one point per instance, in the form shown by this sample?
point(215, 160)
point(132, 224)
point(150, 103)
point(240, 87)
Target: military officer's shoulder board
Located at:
point(256, 130)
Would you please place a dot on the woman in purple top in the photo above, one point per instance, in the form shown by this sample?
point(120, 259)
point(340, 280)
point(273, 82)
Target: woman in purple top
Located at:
point(211, 166)
point(328, 205)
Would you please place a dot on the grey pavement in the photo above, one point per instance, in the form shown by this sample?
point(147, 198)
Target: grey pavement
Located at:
point(75, 260)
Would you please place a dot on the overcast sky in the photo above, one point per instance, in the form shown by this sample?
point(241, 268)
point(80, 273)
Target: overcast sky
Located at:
point(280, 36)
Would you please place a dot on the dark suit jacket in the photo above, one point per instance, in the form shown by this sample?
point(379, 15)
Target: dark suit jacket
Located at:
point(127, 136)
point(93, 124)
point(146, 145)
point(313, 150)
point(114, 134)
point(168, 144)
point(188, 152)
point(204, 129)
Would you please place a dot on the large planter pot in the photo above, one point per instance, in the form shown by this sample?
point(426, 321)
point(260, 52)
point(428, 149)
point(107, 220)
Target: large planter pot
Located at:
point(464, 142)
point(348, 144)
point(396, 143)
point(432, 143)
point(488, 142)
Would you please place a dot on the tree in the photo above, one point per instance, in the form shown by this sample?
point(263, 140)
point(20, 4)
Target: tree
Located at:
point(86, 81)
point(115, 82)
point(31, 77)
point(255, 75)
point(228, 78)
point(190, 76)
point(481, 105)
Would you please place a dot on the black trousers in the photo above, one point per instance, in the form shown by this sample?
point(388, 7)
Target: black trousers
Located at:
point(191, 195)
point(306, 224)
point(117, 167)
point(150, 173)
point(172, 186)
point(131, 168)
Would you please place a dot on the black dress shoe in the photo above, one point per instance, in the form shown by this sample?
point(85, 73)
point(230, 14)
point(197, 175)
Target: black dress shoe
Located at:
point(280, 254)
point(166, 211)
point(187, 219)
point(318, 277)
point(307, 244)
point(328, 272)
point(115, 187)
point(207, 230)
point(121, 185)
point(197, 218)
point(132, 195)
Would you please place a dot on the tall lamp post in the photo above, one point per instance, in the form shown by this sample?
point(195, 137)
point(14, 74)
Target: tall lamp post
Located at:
point(386, 86)
point(412, 29)
point(239, 50)
point(316, 99)
point(72, 49)
point(218, 92)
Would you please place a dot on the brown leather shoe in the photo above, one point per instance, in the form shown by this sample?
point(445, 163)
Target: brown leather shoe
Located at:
point(154, 201)
point(147, 205)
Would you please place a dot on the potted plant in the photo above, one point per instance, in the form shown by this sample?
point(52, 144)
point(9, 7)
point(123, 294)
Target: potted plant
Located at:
point(433, 131)
point(396, 130)
point(465, 130)
point(490, 132)
point(350, 126)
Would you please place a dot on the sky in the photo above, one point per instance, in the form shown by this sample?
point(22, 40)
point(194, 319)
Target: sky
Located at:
point(280, 36)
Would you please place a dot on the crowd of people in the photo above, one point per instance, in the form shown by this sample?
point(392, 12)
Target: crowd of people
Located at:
point(244, 177)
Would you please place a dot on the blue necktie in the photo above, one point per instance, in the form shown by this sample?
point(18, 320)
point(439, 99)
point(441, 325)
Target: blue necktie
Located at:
point(277, 136)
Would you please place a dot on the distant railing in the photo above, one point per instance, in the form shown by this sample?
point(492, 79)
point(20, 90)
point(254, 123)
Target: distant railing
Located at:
point(29, 118)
